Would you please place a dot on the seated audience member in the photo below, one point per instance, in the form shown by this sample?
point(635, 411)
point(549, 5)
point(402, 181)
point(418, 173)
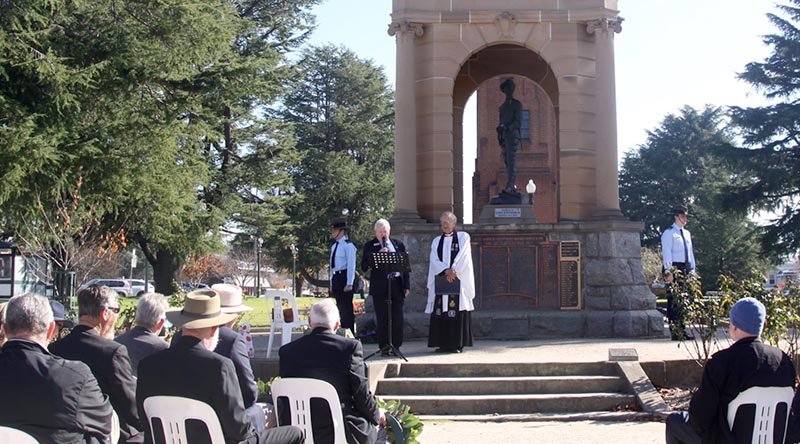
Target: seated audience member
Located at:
point(2, 321)
point(54, 400)
point(747, 363)
point(91, 342)
point(340, 362)
point(190, 369)
point(60, 318)
point(143, 340)
point(233, 346)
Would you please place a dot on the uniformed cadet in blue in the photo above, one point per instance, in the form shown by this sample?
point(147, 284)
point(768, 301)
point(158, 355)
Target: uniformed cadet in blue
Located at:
point(678, 253)
point(343, 273)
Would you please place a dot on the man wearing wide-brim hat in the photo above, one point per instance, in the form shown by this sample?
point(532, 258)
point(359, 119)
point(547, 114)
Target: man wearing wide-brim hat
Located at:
point(343, 273)
point(190, 369)
point(233, 346)
point(678, 253)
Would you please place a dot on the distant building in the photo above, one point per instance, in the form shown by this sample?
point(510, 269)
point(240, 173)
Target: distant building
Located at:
point(783, 274)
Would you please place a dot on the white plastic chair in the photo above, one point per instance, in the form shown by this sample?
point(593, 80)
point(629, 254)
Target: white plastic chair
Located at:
point(279, 323)
point(114, 427)
point(299, 392)
point(173, 411)
point(11, 435)
point(766, 401)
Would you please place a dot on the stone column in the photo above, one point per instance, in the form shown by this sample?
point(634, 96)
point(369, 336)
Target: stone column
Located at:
point(405, 132)
point(606, 171)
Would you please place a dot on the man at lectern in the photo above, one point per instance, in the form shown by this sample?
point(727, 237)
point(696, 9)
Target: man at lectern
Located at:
point(379, 283)
point(451, 258)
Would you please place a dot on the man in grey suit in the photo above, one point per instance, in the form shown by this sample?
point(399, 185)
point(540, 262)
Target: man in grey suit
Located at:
point(340, 362)
point(143, 340)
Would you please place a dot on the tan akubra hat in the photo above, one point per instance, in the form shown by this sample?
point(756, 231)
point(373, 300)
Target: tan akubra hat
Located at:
point(231, 298)
point(201, 309)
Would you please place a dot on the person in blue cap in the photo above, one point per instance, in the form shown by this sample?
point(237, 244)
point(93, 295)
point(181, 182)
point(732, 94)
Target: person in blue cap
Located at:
point(747, 363)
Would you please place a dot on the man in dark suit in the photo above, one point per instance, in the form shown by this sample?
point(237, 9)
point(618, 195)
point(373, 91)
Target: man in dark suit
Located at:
point(379, 287)
point(143, 340)
point(54, 400)
point(339, 361)
point(190, 369)
point(91, 342)
point(233, 346)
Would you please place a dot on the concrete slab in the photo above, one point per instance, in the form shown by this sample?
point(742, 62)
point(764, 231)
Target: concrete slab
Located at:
point(447, 432)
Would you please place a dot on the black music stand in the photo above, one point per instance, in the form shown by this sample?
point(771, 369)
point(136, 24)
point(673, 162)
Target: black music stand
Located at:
point(390, 263)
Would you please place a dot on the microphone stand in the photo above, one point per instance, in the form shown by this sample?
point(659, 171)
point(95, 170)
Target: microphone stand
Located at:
point(390, 263)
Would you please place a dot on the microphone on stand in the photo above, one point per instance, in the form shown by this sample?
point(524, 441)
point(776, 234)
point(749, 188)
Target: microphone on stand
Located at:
point(383, 242)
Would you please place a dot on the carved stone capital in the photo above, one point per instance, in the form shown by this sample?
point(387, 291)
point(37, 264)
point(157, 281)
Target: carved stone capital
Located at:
point(605, 24)
point(505, 23)
point(405, 27)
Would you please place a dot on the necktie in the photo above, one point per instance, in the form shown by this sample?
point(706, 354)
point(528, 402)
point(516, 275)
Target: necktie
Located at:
point(333, 255)
point(685, 250)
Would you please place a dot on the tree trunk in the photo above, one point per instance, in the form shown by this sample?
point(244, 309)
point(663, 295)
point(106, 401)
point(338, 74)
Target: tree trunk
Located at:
point(165, 272)
point(298, 291)
point(311, 280)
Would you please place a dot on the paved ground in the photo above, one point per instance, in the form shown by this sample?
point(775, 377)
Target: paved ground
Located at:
point(540, 350)
point(543, 432)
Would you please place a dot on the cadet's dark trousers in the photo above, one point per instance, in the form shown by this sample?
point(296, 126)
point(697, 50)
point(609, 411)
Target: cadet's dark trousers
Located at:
point(674, 313)
point(344, 300)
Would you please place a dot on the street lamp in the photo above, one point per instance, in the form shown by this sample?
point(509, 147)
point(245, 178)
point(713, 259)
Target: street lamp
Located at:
point(258, 266)
point(294, 268)
point(530, 188)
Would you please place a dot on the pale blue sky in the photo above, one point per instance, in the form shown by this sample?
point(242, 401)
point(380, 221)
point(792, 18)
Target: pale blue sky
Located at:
point(670, 53)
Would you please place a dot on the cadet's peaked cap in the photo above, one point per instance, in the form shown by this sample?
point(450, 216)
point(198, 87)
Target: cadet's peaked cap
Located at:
point(679, 209)
point(339, 224)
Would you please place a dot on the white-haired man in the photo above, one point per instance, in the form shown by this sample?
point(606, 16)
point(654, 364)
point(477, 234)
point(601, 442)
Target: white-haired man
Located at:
point(143, 340)
point(55, 400)
point(190, 369)
point(379, 283)
point(451, 257)
point(339, 361)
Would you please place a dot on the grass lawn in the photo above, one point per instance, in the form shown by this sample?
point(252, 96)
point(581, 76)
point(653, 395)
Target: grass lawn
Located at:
point(261, 316)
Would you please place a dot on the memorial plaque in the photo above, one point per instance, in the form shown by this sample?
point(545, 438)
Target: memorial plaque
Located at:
point(508, 212)
point(570, 249)
point(569, 285)
point(509, 271)
point(569, 275)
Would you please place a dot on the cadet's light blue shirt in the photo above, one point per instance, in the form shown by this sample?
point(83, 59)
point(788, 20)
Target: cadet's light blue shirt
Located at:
point(345, 259)
point(672, 247)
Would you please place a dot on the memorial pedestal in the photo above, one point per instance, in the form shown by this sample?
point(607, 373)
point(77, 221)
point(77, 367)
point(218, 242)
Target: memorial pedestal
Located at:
point(571, 279)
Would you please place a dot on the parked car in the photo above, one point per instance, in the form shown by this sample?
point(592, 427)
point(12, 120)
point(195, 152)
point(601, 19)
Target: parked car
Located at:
point(191, 286)
point(137, 287)
point(121, 286)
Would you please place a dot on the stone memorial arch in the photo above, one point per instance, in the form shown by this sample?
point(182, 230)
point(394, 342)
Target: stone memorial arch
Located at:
point(577, 270)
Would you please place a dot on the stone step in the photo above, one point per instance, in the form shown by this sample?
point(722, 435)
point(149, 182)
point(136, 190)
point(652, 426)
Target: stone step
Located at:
point(516, 404)
point(500, 385)
point(485, 370)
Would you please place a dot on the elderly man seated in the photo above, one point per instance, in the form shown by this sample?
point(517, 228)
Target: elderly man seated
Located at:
point(340, 362)
point(91, 342)
point(143, 340)
point(233, 346)
point(55, 400)
point(190, 369)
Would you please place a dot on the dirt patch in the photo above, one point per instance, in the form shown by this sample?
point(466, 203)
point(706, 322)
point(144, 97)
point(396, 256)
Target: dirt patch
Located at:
point(677, 398)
